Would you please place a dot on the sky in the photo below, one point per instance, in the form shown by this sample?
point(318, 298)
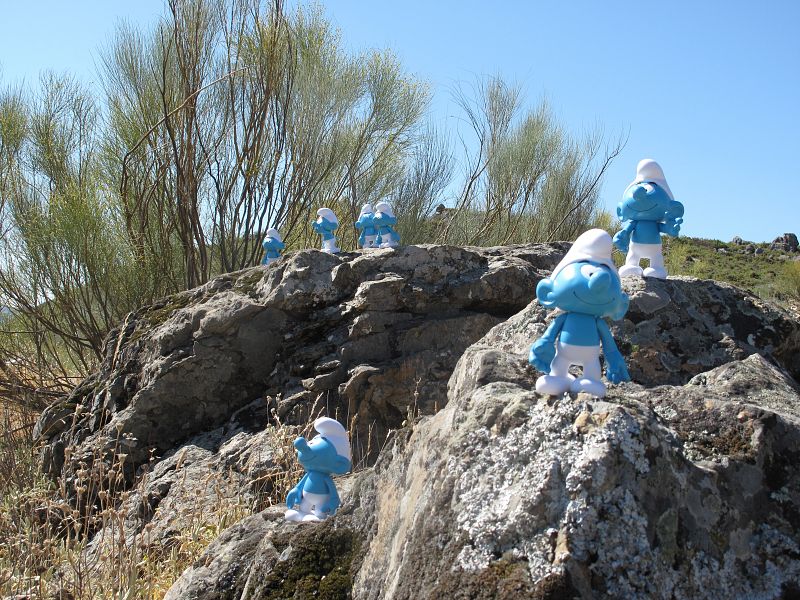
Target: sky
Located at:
point(709, 89)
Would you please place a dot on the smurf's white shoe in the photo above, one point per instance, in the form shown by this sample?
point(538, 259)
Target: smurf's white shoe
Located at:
point(655, 272)
point(588, 386)
point(630, 271)
point(553, 384)
point(293, 515)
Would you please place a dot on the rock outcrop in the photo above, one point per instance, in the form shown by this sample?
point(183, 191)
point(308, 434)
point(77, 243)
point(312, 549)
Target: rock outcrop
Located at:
point(683, 484)
point(671, 491)
point(367, 338)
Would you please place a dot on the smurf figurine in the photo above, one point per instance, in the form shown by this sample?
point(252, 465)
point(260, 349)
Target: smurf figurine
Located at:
point(325, 225)
point(384, 219)
point(272, 244)
point(647, 210)
point(365, 225)
point(584, 285)
point(314, 498)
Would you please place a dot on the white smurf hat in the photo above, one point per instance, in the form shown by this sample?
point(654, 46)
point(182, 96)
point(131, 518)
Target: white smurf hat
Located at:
point(273, 233)
point(649, 171)
point(594, 246)
point(383, 207)
point(327, 213)
point(334, 432)
point(366, 209)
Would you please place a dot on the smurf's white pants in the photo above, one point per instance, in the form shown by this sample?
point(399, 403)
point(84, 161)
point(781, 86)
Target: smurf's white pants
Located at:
point(309, 505)
point(369, 241)
point(330, 246)
point(637, 251)
point(587, 357)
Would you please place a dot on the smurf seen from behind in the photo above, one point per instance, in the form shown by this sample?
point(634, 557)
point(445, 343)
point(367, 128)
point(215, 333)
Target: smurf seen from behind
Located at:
point(365, 225)
point(314, 498)
point(272, 244)
point(385, 221)
point(325, 225)
point(647, 210)
point(586, 287)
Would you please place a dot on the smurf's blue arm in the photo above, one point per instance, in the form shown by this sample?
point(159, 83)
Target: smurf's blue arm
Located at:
point(296, 493)
point(333, 501)
point(616, 370)
point(543, 350)
point(622, 238)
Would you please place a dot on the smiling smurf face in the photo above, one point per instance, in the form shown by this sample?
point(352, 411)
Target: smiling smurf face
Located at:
point(320, 455)
point(647, 202)
point(584, 287)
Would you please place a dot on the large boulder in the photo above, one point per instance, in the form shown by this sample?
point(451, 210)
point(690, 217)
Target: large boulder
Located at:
point(497, 490)
point(369, 338)
point(667, 491)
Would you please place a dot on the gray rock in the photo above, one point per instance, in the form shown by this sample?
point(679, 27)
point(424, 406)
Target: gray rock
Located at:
point(681, 485)
point(737, 240)
point(758, 250)
point(786, 243)
point(672, 491)
point(367, 338)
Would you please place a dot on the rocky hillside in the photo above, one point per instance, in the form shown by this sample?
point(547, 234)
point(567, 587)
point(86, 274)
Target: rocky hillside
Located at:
point(681, 485)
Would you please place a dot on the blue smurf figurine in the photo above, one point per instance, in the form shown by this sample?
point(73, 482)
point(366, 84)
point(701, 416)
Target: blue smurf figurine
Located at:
point(647, 210)
point(384, 219)
point(325, 225)
point(367, 228)
point(314, 498)
point(584, 285)
point(272, 244)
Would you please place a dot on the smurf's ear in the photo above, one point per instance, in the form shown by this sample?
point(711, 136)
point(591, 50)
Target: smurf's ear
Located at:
point(621, 308)
point(341, 465)
point(619, 211)
point(544, 293)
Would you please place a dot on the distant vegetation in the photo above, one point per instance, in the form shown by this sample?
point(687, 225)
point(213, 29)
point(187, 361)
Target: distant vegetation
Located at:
point(770, 274)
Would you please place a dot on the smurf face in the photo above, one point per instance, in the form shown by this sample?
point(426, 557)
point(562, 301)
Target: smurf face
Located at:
point(320, 455)
point(647, 202)
point(584, 287)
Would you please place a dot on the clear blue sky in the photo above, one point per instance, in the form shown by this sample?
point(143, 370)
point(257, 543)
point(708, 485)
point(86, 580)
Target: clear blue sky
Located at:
point(709, 89)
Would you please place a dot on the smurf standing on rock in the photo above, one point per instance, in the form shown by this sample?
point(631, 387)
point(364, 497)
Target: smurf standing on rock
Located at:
point(586, 287)
point(315, 498)
point(273, 245)
point(647, 210)
point(366, 226)
point(385, 220)
point(325, 225)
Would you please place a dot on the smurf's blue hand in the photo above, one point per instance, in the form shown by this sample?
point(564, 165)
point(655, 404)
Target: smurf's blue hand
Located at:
point(622, 240)
point(542, 354)
point(671, 228)
point(295, 495)
point(333, 501)
point(616, 370)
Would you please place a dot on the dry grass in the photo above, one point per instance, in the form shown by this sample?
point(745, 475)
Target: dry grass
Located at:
point(45, 552)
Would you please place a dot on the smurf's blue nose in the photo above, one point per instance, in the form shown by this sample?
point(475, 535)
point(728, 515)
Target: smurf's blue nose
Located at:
point(599, 281)
point(301, 444)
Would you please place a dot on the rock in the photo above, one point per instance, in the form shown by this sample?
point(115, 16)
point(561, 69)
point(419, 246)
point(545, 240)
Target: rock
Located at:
point(749, 249)
point(673, 491)
point(759, 250)
point(785, 243)
point(683, 484)
point(737, 240)
point(368, 338)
